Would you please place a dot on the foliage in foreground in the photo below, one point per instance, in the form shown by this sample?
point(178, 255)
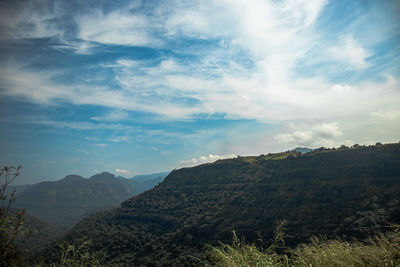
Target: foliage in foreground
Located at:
point(11, 222)
point(77, 255)
point(380, 250)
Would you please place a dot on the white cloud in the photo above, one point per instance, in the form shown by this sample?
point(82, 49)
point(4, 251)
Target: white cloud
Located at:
point(122, 171)
point(386, 115)
point(202, 160)
point(77, 125)
point(249, 73)
point(35, 86)
point(118, 27)
point(324, 134)
point(79, 47)
point(101, 145)
point(187, 22)
point(351, 52)
point(119, 139)
point(115, 115)
point(38, 86)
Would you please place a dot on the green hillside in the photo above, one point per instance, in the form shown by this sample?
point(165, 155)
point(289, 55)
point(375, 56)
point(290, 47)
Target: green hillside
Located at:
point(347, 193)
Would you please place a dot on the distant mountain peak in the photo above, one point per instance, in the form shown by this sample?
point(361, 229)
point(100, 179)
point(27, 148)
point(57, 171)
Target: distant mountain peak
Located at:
point(303, 150)
point(103, 176)
point(73, 177)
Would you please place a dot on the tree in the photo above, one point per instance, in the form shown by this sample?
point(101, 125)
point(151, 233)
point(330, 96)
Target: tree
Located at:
point(11, 221)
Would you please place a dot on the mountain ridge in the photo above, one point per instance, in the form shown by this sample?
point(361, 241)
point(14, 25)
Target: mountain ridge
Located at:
point(64, 202)
point(341, 192)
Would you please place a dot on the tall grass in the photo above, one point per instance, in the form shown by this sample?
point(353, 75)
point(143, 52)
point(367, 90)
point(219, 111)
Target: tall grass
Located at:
point(380, 250)
point(239, 254)
point(73, 255)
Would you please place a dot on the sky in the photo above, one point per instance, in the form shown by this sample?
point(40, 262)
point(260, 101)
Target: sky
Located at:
point(138, 87)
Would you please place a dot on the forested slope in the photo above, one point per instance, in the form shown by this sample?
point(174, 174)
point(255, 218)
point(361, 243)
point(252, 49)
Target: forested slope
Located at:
point(348, 193)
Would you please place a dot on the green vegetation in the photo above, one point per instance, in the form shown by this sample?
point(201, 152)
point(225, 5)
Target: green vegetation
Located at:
point(77, 255)
point(11, 221)
point(380, 250)
point(240, 254)
point(271, 156)
point(347, 193)
point(41, 234)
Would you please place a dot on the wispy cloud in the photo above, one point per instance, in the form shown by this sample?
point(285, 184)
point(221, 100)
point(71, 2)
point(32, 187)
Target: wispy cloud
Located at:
point(118, 28)
point(218, 81)
point(351, 53)
point(101, 145)
point(82, 151)
point(28, 20)
point(115, 115)
point(78, 125)
point(239, 59)
point(91, 138)
point(119, 139)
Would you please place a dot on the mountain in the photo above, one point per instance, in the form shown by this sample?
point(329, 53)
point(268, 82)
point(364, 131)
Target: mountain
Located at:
point(16, 189)
point(63, 203)
point(351, 192)
point(143, 183)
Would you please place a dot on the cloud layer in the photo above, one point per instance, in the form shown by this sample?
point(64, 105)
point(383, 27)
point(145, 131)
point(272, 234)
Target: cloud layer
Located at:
point(248, 69)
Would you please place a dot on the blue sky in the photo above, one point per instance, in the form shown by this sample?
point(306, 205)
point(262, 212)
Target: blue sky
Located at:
point(134, 87)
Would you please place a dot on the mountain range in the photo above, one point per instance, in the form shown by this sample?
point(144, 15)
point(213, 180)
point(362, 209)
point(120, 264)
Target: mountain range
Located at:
point(347, 193)
point(64, 202)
